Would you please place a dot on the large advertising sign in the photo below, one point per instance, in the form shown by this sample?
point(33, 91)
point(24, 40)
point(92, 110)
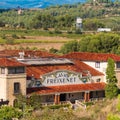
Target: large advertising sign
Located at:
point(61, 78)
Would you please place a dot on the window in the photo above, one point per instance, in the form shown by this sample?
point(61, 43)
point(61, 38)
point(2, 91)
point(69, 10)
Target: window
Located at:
point(11, 70)
point(96, 93)
point(16, 87)
point(97, 64)
point(118, 65)
point(98, 80)
point(20, 70)
point(15, 70)
point(38, 83)
point(2, 70)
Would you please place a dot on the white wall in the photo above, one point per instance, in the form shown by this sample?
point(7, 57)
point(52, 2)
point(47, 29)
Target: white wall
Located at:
point(3, 87)
point(103, 66)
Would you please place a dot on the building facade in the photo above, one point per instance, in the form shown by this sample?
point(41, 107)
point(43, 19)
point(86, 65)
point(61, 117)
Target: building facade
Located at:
point(97, 61)
point(12, 79)
point(57, 79)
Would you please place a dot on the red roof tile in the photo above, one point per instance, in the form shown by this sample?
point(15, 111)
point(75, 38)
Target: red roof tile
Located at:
point(7, 62)
point(85, 56)
point(28, 53)
point(79, 66)
point(67, 88)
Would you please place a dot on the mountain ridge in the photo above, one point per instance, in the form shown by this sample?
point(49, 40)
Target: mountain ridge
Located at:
point(35, 3)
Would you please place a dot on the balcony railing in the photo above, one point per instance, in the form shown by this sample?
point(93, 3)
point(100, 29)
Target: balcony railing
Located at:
point(80, 101)
point(97, 99)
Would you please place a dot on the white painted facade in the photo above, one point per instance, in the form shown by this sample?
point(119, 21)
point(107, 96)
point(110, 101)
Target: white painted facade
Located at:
point(102, 68)
point(3, 87)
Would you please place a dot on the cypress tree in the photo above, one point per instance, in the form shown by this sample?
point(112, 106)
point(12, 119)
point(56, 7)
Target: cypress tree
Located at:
point(111, 89)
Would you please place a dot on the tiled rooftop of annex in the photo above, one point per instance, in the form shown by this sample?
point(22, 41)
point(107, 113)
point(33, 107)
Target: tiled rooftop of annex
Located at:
point(8, 62)
point(67, 88)
point(77, 66)
point(86, 56)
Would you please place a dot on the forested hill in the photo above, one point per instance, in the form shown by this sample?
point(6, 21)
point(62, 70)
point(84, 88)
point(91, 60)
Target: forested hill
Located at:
point(39, 3)
point(35, 3)
point(63, 17)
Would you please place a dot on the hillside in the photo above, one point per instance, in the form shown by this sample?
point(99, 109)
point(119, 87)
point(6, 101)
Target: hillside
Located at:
point(53, 26)
point(34, 3)
point(101, 110)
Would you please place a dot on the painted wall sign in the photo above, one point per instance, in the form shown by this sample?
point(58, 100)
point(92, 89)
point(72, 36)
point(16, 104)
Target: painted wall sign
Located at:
point(61, 78)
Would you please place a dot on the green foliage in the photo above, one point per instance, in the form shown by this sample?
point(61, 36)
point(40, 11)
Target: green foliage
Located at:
point(9, 41)
point(15, 36)
point(3, 36)
point(99, 43)
point(71, 46)
point(78, 31)
point(110, 71)
point(63, 16)
point(89, 103)
point(35, 101)
point(53, 50)
point(111, 90)
point(20, 101)
point(93, 24)
point(58, 106)
point(113, 117)
point(118, 105)
point(48, 114)
point(7, 113)
point(102, 42)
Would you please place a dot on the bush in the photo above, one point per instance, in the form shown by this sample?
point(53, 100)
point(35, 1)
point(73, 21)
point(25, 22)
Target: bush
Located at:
point(58, 106)
point(9, 41)
point(78, 31)
point(7, 113)
point(53, 50)
point(3, 36)
point(113, 117)
point(89, 103)
point(15, 36)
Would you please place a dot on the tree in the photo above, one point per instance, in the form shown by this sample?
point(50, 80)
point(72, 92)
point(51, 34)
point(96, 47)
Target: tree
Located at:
point(111, 89)
point(71, 46)
point(20, 101)
point(102, 42)
point(35, 101)
point(7, 113)
point(110, 72)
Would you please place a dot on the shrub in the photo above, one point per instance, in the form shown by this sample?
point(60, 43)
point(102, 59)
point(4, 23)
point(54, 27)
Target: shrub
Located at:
point(15, 36)
point(7, 113)
point(58, 106)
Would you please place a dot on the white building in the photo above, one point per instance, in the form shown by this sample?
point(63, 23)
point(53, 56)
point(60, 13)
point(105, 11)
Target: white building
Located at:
point(97, 60)
point(104, 30)
point(79, 23)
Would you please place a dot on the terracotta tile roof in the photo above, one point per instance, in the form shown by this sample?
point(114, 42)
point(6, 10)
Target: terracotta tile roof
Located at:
point(7, 62)
point(85, 56)
point(79, 66)
point(28, 53)
point(82, 67)
point(67, 88)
